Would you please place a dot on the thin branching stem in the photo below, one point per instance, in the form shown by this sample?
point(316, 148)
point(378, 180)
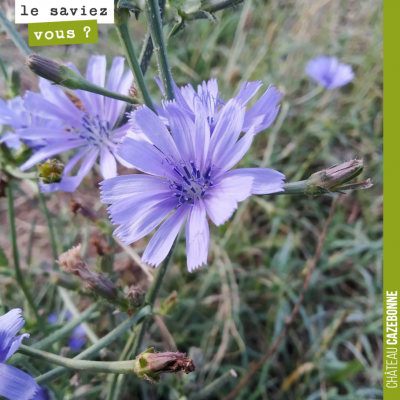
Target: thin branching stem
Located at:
point(53, 240)
point(157, 35)
point(121, 25)
point(62, 292)
point(113, 367)
point(222, 5)
point(147, 49)
point(117, 384)
point(95, 348)
point(59, 334)
point(18, 272)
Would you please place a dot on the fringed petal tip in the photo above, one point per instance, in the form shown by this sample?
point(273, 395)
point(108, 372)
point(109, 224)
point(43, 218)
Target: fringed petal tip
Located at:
point(192, 268)
point(150, 263)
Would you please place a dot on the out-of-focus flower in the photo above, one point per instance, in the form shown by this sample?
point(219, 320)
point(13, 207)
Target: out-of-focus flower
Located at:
point(14, 384)
point(266, 107)
point(329, 72)
point(149, 364)
point(92, 129)
point(14, 114)
point(78, 336)
point(187, 172)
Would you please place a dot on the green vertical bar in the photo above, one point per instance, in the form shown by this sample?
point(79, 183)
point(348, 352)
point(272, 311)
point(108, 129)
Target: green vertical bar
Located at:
point(391, 224)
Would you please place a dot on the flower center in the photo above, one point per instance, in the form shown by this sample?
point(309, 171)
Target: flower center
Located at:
point(95, 131)
point(191, 183)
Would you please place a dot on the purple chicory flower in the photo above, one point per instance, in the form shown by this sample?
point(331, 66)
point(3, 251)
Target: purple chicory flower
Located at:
point(208, 94)
point(14, 114)
point(42, 394)
point(91, 129)
point(329, 72)
point(14, 384)
point(187, 172)
point(78, 337)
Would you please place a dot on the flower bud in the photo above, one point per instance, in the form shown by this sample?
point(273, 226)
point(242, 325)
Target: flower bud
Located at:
point(135, 296)
point(149, 364)
point(54, 71)
point(51, 171)
point(336, 178)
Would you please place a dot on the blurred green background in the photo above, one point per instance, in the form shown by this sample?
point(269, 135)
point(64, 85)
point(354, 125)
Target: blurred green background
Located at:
point(231, 311)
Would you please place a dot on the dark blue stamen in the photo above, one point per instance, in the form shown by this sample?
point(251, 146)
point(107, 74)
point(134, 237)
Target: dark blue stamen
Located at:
point(176, 170)
point(186, 180)
point(187, 172)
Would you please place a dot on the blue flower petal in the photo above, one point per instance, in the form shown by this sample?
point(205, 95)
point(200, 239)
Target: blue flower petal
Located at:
point(15, 384)
point(10, 324)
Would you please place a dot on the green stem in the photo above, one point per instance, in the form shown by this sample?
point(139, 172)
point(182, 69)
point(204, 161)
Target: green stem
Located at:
point(18, 273)
point(63, 293)
point(53, 240)
point(121, 18)
point(116, 379)
point(91, 87)
point(157, 35)
point(147, 49)
point(59, 334)
point(94, 349)
point(113, 367)
point(140, 330)
point(294, 188)
point(222, 6)
point(14, 35)
point(75, 312)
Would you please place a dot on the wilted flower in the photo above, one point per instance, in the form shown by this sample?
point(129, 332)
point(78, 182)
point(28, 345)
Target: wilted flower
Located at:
point(188, 172)
point(329, 72)
point(149, 364)
point(14, 384)
point(72, 262)
point(266, 107)
point(92, 129)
